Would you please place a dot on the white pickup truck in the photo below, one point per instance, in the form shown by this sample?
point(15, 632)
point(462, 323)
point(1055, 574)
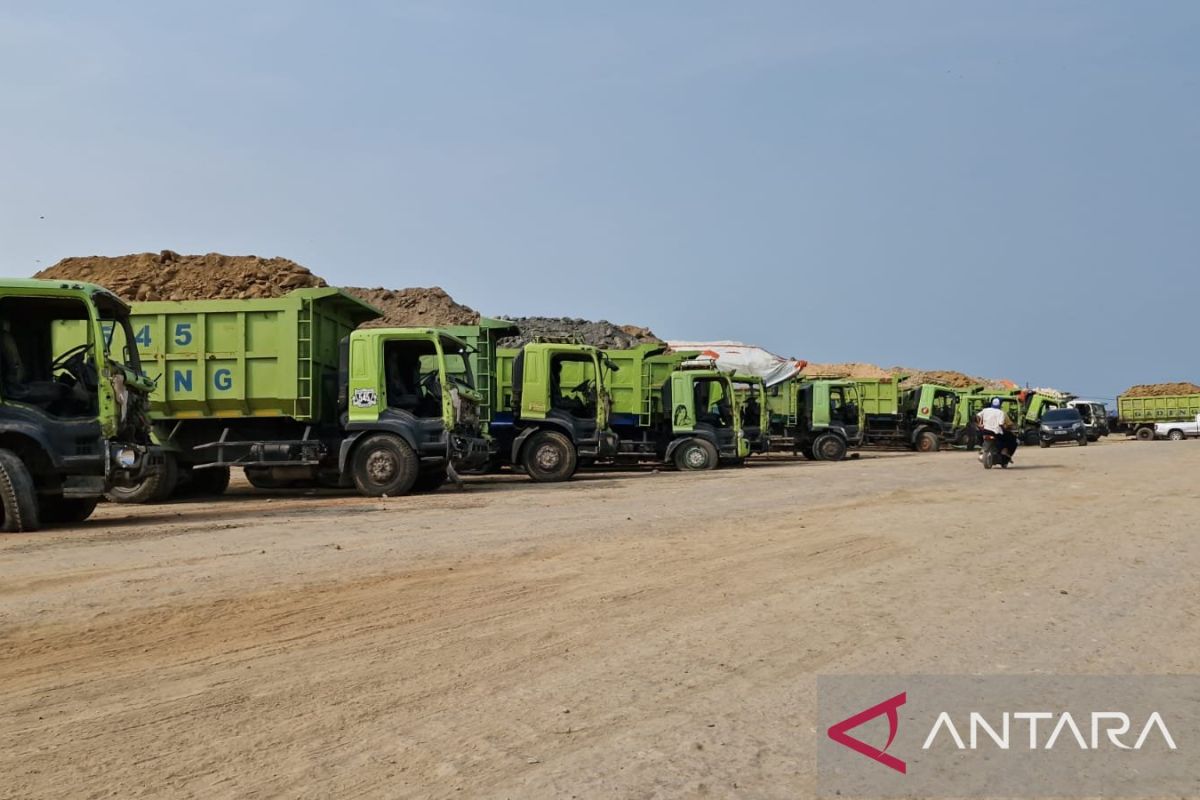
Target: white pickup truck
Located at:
point(1177, 431)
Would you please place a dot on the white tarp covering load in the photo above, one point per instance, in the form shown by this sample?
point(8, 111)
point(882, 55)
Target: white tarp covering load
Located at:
point(746, 358)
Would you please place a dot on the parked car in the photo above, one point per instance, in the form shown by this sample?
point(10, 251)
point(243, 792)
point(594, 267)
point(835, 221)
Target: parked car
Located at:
point(1177, 431)
point(1095, 417)
point(1062, 425)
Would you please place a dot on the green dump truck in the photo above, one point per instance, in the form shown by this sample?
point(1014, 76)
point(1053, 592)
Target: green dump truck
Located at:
point(919, 417)
point(675, 408)
point(551, 409)
point(818, 418)
point(291, 391)
point(74, 418)
point(1137, 416)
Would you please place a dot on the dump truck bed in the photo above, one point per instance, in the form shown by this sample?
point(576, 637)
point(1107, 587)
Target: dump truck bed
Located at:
point(274, 357)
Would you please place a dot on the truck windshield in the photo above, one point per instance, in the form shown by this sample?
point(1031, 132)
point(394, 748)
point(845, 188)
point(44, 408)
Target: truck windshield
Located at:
point(458, 366)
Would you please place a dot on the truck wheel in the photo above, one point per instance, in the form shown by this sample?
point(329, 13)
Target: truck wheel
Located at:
point(210, 481)
point(549, 456)
point(695, 454)
point(384, 464)
point(154, 489)
point(18, 498)
point(829, 447)
point(430, 480)
point(1175, 436)
point(1145, 434)
point(928, 442)
point(67, 510)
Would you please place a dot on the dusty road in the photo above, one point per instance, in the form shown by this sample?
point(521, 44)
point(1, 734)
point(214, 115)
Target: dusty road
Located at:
point(627, 635)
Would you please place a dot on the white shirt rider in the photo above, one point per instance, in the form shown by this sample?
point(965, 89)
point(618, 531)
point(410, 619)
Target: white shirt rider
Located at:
point(993, 419)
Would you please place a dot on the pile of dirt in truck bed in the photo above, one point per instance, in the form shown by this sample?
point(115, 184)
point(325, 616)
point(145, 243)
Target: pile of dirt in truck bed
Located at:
point(851, 369)
point(599, 334)
point(414, 307)
point(167, 275)
point(914, 377)
point(949, 377)
point(1161, 389)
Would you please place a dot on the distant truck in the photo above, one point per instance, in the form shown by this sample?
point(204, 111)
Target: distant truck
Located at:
point(675, 407)
point(1141, 416)
point(817, 418)
point(919, 417)
point(552, 409)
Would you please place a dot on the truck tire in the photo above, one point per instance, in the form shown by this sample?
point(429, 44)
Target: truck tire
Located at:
point(384, 464)
point(210, 482)
point(430, 480)
point(1175, 435)
point(694, 455)
point(829, 447)
point(1145, 434)
point(928, 442)
point(18, 497)
point(154, 489)
point(67, 510)
point(549, 457)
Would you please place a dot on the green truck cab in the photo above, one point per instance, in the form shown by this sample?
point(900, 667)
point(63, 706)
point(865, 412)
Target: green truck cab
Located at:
point(919, 418)
point(289, 389)
point(410, 407)
point(551, 408)
point(73, 402)
point(819, 418)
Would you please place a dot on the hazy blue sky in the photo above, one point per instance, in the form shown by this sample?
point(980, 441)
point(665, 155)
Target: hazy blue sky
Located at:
point(844, 181)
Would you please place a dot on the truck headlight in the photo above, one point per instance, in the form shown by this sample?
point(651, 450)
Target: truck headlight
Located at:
point(126, 457)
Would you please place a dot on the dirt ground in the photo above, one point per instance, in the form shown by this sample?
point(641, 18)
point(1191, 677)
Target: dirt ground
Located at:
point(628, 635)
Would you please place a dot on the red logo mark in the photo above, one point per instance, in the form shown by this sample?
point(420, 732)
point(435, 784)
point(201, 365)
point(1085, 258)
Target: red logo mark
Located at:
point(838, 733)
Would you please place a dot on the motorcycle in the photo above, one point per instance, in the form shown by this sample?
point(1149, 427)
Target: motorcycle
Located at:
point(991, 455)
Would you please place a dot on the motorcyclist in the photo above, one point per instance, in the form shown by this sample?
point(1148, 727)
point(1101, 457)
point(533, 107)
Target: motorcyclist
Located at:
point(995, 421)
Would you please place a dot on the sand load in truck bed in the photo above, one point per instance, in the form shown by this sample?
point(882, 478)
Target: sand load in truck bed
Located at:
point(1161, 389)
point(167, 275)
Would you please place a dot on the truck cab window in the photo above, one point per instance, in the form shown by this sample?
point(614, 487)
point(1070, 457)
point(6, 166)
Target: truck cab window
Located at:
point(411, 377)
point(573, 385)
point(42, 362)
point(712, 403)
